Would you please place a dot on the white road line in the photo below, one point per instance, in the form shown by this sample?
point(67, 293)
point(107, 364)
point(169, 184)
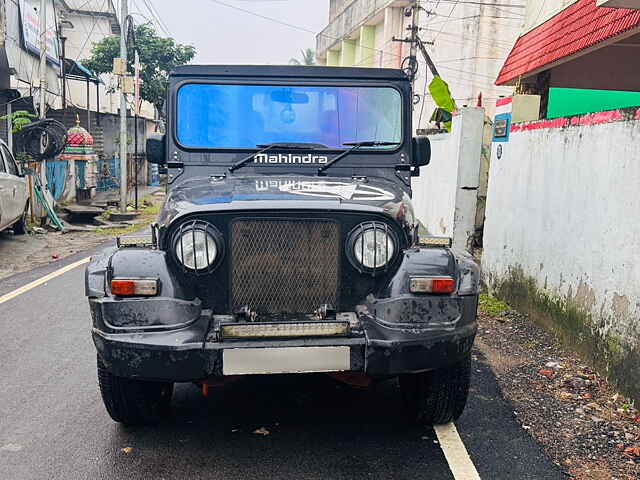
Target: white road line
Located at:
point(40, 281)
point(455, 452)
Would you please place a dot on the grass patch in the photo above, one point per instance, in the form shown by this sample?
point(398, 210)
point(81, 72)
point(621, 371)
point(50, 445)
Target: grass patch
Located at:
point(149, 210)
point(492, 306)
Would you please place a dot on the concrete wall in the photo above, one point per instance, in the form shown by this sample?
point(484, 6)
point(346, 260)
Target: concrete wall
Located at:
point(562, 237)
point(539, 11)
point(445, 193)
point(88, 29)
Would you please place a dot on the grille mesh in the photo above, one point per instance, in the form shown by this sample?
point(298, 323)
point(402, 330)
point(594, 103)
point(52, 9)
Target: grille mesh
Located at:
point(284, 265)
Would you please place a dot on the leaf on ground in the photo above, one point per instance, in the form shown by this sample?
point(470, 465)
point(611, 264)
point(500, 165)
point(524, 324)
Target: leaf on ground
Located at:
point(127, 450)
point(545, 372)
point(635, 451)
point(262, 431)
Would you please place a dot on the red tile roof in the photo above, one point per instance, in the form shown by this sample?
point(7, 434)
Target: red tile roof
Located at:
point(579, 26)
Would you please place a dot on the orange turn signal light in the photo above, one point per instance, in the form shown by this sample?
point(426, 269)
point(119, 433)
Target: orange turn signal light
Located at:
point(432, 285)
point(134, 287)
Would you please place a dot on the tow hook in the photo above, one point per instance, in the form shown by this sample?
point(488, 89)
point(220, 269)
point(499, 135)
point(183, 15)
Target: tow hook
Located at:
point(325, 311)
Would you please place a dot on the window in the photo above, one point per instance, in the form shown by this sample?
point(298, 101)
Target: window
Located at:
point(244, 116)
point(12, 168)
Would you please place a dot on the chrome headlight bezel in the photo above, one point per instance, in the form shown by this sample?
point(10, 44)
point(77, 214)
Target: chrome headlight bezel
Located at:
point(198, 228)
point(372, 228)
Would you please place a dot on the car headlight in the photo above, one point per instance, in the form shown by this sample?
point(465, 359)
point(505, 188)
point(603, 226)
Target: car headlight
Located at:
point(372, 245)
point(197, 245)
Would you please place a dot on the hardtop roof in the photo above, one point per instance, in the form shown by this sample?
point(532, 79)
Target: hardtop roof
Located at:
point(293, 71)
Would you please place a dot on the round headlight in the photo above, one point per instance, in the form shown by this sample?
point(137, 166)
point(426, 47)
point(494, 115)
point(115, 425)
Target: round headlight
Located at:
point(196, 246)
point(373, 245)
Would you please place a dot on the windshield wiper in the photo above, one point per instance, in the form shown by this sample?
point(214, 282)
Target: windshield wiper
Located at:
point(354, 146)
point(270, 146)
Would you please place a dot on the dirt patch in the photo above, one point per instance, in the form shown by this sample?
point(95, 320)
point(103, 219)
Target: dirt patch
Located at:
point(20, 253)
point(585, 426)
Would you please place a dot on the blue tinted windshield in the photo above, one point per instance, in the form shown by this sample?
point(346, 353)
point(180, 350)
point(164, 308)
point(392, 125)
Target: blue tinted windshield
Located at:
point(243, 116)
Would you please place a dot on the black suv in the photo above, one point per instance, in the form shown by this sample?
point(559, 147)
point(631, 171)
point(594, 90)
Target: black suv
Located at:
point(287, 243)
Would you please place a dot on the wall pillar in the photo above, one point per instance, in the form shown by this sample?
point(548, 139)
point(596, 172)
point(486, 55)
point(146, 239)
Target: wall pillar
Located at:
point(333, 58)
point(348, 53)
point(445, 193)
point(366, 52)
point(393, 22)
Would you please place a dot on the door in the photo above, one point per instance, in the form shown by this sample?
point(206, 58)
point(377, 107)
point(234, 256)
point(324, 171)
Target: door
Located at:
point(16, 187)
point(6, 187)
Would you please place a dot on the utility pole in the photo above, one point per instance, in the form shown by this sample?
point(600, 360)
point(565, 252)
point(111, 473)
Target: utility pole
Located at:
point(135, 120)
point(42, 14)
point(414, 32)
point(123, 108)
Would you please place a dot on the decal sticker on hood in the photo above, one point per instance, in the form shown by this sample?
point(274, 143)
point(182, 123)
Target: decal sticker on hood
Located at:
point(343, 190)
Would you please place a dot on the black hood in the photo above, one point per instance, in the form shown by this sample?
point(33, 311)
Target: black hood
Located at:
point(287, 192)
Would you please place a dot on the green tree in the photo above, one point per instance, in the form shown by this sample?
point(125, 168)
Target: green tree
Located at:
point(158, 57)
point(308, 57)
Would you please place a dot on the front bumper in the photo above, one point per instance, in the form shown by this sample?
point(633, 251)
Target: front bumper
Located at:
point(190, 354)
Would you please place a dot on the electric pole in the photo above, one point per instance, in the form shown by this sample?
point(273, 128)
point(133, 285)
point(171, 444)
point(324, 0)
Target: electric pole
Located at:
point(42, 15)
point(123, 108)
point(414, 32)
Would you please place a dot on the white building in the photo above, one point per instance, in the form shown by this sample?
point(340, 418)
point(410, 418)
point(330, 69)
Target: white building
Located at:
point(470, 42)
point(83, 24)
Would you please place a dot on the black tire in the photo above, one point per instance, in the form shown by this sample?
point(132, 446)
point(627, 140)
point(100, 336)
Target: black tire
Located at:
point(133, 402)
point(439, 396)
point(20, 227)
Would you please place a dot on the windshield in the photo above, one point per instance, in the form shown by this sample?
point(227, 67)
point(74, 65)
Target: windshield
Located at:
point(243, 116)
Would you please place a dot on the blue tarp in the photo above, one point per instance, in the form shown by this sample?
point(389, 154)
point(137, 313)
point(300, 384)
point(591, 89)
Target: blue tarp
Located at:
point(56, 177)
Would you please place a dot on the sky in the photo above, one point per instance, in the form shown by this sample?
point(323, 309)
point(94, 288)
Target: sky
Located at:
point(224, 35)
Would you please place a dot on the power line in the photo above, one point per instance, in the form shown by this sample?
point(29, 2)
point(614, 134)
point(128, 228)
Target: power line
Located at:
point(485, 4)
point(156, 15)
point(93, 27)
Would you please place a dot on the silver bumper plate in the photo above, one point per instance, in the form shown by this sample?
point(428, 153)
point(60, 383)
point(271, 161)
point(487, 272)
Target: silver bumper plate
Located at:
point(261, 361)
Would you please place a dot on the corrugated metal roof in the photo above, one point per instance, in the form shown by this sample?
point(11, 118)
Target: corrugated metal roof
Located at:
point(579, 26)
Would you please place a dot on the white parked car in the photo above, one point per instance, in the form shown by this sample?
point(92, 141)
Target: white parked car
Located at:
point(14, 193)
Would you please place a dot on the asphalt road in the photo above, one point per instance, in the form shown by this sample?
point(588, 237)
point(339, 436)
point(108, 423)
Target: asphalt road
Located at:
point(53, 424)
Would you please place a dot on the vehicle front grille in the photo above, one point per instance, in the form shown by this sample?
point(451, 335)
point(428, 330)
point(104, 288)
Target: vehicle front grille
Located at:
point(284, 265)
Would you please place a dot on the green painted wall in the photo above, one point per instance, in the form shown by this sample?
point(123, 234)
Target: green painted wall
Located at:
point(564, 102)
point(348, 53)
point(366, 46)
point(333, 58)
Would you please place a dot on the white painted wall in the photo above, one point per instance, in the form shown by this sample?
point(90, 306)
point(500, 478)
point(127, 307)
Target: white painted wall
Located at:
point(563, 204)
point(445, 193)
point(88, 30)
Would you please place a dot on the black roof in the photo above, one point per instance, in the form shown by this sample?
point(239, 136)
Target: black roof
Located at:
point(289, 71)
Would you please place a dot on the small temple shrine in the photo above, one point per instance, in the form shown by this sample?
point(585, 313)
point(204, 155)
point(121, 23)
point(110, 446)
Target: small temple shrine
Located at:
point(82, 166)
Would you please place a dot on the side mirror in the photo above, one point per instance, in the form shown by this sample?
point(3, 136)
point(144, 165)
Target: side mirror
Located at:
point(421, 152)
point(156, 149)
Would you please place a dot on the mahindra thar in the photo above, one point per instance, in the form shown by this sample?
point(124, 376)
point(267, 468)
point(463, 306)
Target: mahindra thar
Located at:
point(287, 244)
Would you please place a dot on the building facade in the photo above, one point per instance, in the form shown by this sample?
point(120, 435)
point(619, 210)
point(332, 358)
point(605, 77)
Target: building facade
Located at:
point(578, 55)
point(468, 42)
point(19, 59)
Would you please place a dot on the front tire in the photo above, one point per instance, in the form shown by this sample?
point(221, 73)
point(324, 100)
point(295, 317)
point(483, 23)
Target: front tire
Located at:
point(133, 402)
point(20, 227)
point(438, 396)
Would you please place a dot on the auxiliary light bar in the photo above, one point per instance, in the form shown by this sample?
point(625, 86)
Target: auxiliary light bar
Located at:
point(430, 241)
point(288, 329)
point(140, 240)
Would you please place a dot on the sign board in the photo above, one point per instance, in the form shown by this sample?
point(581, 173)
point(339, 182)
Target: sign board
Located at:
point(30, 22)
